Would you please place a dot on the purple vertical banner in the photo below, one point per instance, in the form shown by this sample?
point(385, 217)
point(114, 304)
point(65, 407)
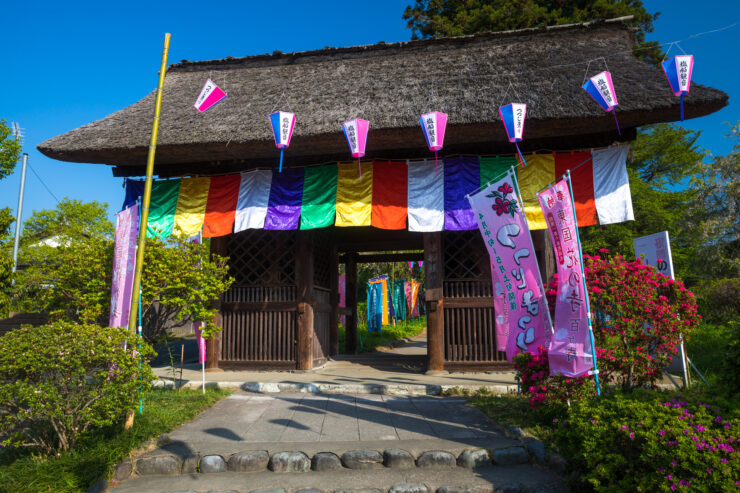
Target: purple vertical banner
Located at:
point(501, 221)
point(570, 350)
point(124, 263)
point(343, 296)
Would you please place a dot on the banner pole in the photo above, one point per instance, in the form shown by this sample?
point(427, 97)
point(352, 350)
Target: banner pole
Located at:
point(536, 262)
point(146, 200)
point(585, 290)
point(141, 400)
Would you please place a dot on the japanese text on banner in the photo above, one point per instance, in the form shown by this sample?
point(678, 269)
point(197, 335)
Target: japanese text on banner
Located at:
point(570, 349)
point(505, 233)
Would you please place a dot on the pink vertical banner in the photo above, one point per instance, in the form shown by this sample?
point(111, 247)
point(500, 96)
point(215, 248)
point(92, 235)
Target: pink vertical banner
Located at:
point(343, 296)
point(504, 228)
point(570, 351)
point(201, 342)
point(411, 266)
point(124, 263)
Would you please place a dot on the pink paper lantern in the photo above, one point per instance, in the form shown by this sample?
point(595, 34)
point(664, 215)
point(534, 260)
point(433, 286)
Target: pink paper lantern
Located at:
point(209, 96)
point(601, 89)
point(433, 125)
point(356, 133)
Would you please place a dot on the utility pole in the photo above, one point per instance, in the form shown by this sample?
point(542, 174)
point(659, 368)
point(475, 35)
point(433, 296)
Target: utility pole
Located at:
point(19, 211)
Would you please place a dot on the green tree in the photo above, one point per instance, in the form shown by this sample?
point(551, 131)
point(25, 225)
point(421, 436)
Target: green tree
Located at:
point(441, 18)
point(71, 221)
point(10, 152)
point(72, 282)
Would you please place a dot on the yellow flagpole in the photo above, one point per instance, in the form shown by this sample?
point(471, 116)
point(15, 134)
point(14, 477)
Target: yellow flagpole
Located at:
point(145, 203)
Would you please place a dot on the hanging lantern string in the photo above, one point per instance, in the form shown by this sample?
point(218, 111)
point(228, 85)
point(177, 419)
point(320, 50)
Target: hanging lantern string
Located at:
point(281, 160)
point(617, 121)
point(521, 157)
point(436, 172)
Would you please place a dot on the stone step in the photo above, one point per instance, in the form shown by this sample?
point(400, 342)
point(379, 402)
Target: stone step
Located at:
point(511, 479)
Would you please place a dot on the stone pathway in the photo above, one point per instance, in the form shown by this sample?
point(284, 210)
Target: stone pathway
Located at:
point(250, 442)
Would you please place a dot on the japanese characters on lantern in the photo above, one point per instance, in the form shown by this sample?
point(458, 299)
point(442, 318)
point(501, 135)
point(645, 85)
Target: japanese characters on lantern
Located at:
point(678, 71)
point(356, 133)
point(282, 128)
point(512, 116)
point(209, 96)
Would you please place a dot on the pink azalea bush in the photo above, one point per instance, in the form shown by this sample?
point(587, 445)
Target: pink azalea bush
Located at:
point(649, 440)
point(640, 316)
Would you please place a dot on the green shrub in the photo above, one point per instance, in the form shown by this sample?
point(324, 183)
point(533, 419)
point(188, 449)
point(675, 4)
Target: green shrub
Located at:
point(651, 440)
point(59, 381)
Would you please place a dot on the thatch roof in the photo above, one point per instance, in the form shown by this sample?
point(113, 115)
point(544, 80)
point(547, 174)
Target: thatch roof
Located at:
point(390, 85)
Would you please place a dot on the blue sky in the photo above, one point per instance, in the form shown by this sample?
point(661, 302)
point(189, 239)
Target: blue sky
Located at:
point(66, 64)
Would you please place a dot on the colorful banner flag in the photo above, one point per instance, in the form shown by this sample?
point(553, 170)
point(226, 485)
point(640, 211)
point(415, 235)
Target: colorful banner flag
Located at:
point(124, 260)
point(254, 195)
point(378, 303)
point(500, 219)
point(414, 298)
point(191, 205)
point(319, 196)
point(354, 195)
point(390, 194)
point(426, 210)
point(570, 351)
point(343, 296)
point(223, 197)
point(395, 195)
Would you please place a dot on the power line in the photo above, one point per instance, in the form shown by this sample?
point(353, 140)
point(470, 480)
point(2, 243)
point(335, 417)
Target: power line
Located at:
point(44, 184)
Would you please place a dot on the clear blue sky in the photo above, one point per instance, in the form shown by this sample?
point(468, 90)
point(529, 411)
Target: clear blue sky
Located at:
point(66, 64)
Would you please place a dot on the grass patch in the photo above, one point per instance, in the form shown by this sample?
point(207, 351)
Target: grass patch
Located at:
point(511, 409)
point(95, 455)
point(369, 341)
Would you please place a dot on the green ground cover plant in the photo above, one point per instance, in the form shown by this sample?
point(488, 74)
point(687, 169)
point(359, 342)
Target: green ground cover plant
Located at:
point(94, 456)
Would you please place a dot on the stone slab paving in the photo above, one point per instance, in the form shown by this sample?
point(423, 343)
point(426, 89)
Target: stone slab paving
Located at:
point(277, 418)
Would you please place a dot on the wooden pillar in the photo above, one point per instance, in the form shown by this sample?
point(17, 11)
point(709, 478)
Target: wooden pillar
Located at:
point(433, 261)
point(351, 302)
point(334, 300)
point(545, 254)
point(305, 299)
point(213, 344)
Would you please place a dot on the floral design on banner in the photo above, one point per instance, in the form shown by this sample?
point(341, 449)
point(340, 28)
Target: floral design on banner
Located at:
point(502, 204)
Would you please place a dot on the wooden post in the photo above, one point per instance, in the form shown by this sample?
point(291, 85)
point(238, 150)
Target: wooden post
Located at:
point(351, 302)
point(334, 300)
point(305, 299)
point(545, 254)
point(433, 261)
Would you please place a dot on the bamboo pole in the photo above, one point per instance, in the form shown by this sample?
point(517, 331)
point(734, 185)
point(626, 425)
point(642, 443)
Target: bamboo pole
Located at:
point(145, 204)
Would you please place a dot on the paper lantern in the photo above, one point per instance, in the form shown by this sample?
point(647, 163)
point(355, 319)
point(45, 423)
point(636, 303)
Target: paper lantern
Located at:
point(282, 128)
point(209, 96)
point(433, 124)
point(356, 133)
point(600, 88)
point(513, 116)
point(678, 71)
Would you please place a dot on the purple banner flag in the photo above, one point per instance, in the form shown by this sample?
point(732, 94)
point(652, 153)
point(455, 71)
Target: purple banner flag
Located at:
point(504, 228)
point(124, 262)
point(570, 351)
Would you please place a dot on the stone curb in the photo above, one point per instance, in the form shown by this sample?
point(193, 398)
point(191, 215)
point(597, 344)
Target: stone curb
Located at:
point(313, 388)
point(299, 462)
point(536, 450)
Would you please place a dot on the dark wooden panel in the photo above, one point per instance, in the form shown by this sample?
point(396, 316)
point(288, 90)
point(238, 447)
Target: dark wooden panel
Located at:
point(269, 306)
point(472, 302)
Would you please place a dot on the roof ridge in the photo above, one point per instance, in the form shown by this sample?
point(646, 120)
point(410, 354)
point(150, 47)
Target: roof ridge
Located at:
point(279, 58)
